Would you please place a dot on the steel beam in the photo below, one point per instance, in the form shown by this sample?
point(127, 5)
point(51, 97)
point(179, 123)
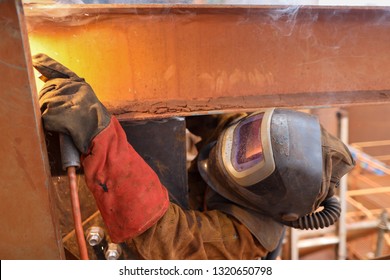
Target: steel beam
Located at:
point(29, 227)
point(161, 61)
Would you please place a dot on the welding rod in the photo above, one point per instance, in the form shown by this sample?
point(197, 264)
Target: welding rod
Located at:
point(70, 158)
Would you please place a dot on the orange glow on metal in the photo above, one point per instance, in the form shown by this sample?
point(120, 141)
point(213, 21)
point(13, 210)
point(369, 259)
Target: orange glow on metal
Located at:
point(185, 58)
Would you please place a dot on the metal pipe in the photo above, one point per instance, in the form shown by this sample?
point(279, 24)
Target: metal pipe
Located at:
point(342, 229)
point(382, 228)
point(319, 241)
point(294, 240)
point(362, 225)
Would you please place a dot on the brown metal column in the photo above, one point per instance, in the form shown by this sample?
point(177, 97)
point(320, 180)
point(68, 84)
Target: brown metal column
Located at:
point(28, 223)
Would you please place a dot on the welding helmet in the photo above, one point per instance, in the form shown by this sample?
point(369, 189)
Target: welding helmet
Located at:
point(279, 165)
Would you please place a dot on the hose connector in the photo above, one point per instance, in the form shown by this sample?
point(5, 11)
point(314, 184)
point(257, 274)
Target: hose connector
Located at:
point(70, 155)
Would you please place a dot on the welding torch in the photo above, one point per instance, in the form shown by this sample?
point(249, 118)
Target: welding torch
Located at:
point(70, 158)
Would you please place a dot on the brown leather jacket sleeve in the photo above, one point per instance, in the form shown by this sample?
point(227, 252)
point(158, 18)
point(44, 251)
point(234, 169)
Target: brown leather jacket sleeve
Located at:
point(187, 234)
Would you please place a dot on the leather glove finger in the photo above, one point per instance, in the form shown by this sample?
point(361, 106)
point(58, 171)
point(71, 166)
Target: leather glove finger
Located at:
point(54, 91)
point(51, 69)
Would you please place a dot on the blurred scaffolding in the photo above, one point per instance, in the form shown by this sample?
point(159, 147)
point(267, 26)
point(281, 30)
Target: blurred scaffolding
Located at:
point(363, 231)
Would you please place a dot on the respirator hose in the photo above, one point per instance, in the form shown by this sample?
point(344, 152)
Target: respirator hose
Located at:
point(324, 218)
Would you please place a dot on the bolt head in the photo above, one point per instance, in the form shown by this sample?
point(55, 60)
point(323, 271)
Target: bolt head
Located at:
point(94, 235)
point(113, 251)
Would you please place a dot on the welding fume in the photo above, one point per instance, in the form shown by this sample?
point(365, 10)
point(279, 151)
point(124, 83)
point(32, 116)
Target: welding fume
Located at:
point(259, 173)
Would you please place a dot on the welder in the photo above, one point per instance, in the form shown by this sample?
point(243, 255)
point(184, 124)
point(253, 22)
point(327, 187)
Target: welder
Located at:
point(266, 170)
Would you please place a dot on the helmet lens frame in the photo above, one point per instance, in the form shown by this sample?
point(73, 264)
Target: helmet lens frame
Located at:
point(246, 149)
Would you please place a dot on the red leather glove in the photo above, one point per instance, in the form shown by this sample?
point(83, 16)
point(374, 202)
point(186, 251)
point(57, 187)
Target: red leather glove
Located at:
point(128, 192)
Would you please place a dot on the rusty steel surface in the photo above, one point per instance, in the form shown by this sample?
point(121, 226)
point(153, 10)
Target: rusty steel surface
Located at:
point(29, 226)
point(158, 61)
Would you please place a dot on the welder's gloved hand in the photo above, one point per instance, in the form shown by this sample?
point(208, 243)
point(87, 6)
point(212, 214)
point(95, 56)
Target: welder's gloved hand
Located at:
point(68, 104)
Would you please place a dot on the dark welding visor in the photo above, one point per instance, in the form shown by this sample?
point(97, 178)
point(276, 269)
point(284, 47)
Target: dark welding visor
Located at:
point(246, 149)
